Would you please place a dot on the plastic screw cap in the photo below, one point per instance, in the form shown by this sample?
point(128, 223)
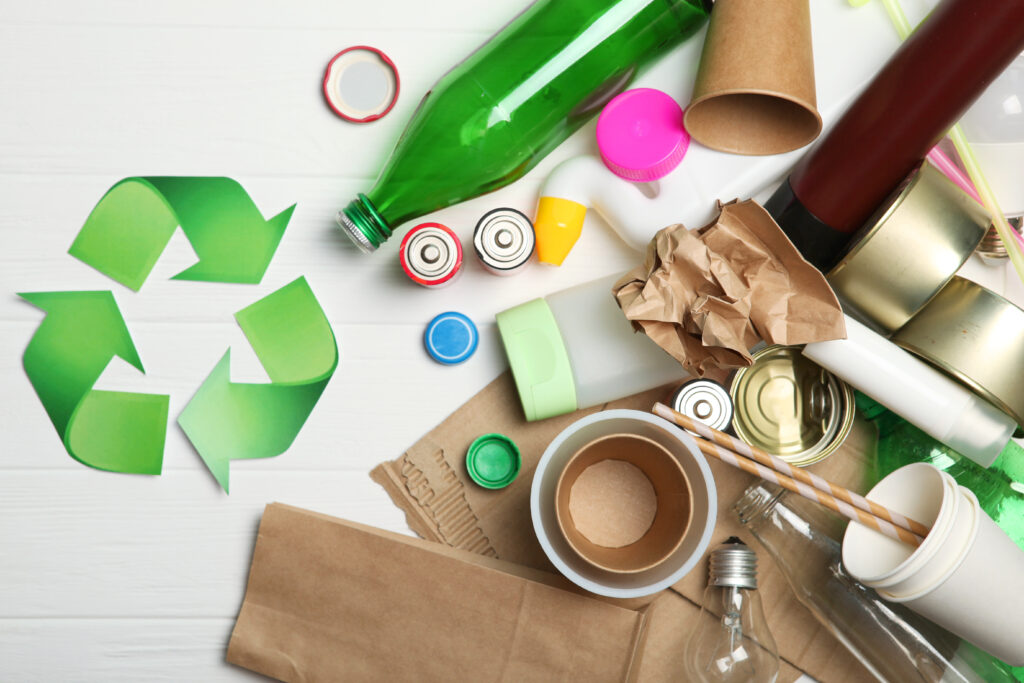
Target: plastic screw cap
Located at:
point(641, 135)
point(493, 461)
point(451, 338)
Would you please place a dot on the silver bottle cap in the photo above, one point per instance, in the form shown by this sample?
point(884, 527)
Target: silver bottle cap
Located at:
point(354, 233)
point(733, 564)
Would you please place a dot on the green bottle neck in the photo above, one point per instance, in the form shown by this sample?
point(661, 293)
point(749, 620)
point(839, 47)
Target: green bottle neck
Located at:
point(364, 225)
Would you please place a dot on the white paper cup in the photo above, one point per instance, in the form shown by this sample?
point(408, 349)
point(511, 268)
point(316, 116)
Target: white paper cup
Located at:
point(967, 575)
point(545, 519)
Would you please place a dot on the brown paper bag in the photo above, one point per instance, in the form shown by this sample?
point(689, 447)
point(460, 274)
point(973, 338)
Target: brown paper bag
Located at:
point(331, 600)
point(429, 482)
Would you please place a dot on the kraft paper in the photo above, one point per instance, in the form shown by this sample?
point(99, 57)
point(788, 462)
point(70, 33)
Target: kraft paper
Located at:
point(707, 296)
point(755, 92)
point(429, 482)
point(332, 600)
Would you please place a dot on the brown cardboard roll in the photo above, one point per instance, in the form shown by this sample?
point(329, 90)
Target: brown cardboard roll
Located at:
point(755, 85)
point(623, 503)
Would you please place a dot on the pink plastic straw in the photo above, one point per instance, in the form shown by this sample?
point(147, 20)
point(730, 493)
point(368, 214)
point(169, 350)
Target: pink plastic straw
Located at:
point(953, 172)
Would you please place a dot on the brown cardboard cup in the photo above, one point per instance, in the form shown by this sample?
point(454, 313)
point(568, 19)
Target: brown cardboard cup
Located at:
point(609, 527)
point(755, 85)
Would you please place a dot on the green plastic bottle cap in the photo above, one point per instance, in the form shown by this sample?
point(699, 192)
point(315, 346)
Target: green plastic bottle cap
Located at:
point(493, 461)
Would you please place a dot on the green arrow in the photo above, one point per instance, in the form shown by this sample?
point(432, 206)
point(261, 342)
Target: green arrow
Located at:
point(108, 430)
point(228, 421)
point(131, 225)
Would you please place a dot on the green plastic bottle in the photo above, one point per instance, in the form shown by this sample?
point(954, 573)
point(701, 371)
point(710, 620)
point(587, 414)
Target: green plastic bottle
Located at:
point(501, 110)
point(999, 488)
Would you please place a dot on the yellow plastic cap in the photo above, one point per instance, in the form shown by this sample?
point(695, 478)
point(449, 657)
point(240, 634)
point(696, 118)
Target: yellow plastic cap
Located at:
point(558, 226)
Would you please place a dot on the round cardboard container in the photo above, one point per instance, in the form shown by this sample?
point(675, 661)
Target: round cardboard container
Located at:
point(975, 335)
point(909, 250)
point(618, 506)
point(543, 504)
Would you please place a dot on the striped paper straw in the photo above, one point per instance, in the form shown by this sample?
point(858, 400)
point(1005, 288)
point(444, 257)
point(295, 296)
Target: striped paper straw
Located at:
point(837, 498)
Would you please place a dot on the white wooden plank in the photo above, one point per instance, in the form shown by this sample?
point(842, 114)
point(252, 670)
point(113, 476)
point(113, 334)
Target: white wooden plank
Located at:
point(87, 543)
point(238, 101)
point(232, 101)
point(321, 14)
point(352, 287)
point(385, 394)
point(154, 650)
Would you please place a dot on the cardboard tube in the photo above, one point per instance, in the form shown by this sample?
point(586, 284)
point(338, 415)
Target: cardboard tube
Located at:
point(755, 86)
point(673, 505)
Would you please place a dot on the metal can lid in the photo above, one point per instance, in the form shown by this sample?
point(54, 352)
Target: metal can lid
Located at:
point(704, 400)
point(504, 239)
point(431, 254)
point(451, 338)
point(361, 84)
point(790, 407)
point(493, 461)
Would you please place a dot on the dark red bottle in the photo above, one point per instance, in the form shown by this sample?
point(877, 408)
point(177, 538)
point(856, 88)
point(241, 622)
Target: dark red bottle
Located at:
point(906, 109)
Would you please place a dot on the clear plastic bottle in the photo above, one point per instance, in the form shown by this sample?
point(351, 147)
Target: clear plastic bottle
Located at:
point(894, 644)
point(501, 110)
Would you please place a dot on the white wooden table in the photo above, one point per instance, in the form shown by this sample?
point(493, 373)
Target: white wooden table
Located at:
point(110, 577)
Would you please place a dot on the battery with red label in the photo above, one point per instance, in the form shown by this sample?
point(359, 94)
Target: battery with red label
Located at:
point(431, 255)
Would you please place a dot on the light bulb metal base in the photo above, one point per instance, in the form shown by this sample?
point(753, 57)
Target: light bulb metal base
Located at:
point(733, 564)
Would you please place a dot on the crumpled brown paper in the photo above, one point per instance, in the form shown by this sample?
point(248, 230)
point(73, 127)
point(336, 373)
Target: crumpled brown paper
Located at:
point(707, 296)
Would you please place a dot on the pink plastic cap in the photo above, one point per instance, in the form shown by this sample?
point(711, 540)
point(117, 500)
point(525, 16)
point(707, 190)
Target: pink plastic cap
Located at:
point(641, 135)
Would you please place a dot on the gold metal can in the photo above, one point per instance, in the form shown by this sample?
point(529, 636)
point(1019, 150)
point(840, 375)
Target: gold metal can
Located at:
point(911, 248)
point(790, 407)
point(975, 335)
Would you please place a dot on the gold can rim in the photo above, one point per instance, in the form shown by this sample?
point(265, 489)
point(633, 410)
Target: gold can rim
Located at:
point(832, 437)
point(948, 367)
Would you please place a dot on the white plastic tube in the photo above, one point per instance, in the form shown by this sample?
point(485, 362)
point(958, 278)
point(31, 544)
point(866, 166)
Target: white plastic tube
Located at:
point(850, 45)
point(922, 395)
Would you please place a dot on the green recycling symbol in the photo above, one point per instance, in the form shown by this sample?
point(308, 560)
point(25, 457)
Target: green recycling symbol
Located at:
point(123, 238)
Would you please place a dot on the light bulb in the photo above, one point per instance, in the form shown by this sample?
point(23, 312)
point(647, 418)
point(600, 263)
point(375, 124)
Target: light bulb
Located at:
point(994, 125)
point(731, 641)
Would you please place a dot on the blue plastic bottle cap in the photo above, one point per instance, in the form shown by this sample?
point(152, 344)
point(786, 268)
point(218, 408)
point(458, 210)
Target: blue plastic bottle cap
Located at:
point(451, 338)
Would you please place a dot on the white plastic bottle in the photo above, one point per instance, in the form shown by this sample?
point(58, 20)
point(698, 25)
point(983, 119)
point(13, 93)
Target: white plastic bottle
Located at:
point(850, 45)
point(937, 405)
point(575, 349)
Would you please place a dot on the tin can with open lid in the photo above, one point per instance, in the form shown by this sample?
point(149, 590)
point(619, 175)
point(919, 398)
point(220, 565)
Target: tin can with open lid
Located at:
point(909, 249)
point(790, 407)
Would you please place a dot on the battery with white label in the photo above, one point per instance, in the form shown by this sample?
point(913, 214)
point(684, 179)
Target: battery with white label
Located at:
point(431, 255)
point(504, 241)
